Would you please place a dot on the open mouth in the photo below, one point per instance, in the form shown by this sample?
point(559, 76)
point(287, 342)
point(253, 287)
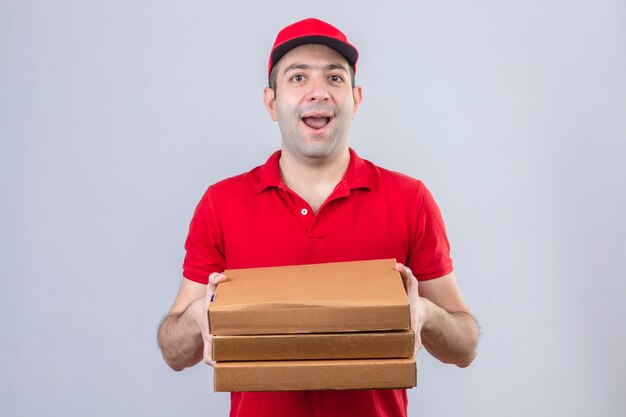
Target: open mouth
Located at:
point(316, 122)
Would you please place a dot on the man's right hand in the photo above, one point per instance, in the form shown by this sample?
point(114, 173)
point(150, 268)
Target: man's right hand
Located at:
point(200, 309)
point(183, 335)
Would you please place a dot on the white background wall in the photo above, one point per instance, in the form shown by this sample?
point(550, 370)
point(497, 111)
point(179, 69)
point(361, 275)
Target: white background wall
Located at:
point(116, 115)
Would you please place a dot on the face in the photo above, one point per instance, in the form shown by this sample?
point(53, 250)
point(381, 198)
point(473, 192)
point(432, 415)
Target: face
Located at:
point(314, 102)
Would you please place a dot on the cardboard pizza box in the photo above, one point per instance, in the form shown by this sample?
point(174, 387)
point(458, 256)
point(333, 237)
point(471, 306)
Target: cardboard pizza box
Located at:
point(370, 345)
point(315, 375)
point(359, 296)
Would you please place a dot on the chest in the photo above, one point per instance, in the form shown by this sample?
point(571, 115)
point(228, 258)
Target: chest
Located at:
point(282, 229)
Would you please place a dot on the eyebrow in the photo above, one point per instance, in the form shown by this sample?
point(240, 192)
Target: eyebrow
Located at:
point(307, 67)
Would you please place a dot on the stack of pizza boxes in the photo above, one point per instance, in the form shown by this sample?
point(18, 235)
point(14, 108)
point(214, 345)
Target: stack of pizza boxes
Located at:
point(312, 327)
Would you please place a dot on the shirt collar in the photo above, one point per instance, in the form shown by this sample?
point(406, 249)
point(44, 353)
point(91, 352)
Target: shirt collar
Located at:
point(360, 173)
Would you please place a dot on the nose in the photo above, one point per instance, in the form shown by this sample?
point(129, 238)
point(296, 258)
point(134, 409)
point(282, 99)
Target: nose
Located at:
point(318, 90)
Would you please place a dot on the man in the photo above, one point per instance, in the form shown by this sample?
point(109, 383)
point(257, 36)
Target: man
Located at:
point(316, 201)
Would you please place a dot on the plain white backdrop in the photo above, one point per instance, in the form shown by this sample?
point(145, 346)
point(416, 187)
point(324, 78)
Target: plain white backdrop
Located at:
point(115, 116)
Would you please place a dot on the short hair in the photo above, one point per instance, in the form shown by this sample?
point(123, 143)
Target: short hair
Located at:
point(274, 75)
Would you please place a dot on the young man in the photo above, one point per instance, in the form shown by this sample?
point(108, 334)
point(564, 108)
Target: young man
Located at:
point(316, 201)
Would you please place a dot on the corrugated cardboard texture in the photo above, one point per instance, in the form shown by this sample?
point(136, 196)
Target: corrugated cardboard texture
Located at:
point(398, 344)
point(315, 375)
point(322, 298)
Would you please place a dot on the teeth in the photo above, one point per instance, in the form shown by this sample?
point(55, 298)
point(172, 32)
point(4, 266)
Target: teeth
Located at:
point(318, 116)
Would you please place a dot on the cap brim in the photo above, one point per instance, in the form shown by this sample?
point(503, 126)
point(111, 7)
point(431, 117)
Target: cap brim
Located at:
point(348, 51)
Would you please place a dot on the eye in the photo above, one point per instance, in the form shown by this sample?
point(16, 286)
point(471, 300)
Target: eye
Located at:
point(335, 78)
point(297, 78)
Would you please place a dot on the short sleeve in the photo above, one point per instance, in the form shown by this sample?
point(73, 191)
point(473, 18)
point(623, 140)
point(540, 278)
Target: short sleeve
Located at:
point(430, 254)
point(204, 245)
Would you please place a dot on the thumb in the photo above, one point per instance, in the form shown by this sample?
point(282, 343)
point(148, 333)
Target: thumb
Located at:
point(214, 280)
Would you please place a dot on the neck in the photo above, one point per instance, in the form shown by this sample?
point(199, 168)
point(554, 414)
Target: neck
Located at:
point(313, 179)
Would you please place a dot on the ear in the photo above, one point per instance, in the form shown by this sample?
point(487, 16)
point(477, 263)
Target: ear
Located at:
point(269, 98)
point(357, 96)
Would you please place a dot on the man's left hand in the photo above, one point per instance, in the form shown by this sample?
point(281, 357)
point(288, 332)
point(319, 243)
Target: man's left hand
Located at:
point(416, 303)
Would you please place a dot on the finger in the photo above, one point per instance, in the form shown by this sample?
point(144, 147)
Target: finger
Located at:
point(418, 344)
point(208, 359)
point(214, 279)
point(207, 351)
point(408, 280)
point(217, 277)
point(403, 270)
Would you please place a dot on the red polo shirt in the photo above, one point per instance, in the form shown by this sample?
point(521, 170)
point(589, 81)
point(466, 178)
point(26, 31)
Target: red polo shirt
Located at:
point(255, 220)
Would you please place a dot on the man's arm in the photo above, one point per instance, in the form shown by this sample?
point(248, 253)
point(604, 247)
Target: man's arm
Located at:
point(183, 335)
point(440, 318)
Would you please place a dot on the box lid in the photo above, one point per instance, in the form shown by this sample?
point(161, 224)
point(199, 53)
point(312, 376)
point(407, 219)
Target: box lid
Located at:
point(330, 297)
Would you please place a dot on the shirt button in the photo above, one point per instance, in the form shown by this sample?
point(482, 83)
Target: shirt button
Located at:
point(304, 212)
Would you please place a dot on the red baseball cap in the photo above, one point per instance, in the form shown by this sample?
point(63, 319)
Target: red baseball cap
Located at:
point(312, 31)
